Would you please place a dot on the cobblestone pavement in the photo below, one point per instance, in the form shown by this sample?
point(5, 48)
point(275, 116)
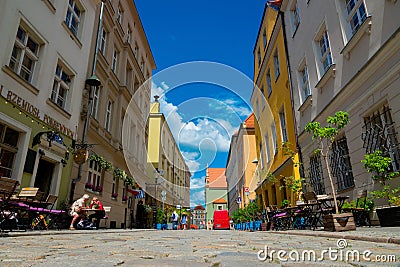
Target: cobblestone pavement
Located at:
point(187, 248)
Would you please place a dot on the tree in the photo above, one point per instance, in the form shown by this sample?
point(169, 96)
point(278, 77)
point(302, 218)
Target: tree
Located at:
point(325, 137)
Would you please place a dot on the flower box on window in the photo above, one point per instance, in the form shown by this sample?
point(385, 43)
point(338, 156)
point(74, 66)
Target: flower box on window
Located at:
point(98, 188)
point(124, 198)
point(114, 195)
point(89, 186)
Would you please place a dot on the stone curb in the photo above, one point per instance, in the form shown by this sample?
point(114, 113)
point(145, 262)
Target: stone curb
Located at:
point(72, 232)
point(338, 235)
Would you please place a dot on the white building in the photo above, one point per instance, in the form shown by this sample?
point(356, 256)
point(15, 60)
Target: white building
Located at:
point(44, 50)
point(345, 55)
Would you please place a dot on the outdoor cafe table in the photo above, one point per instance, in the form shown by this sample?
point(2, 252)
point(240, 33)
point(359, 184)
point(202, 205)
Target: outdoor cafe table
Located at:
point(327, 203)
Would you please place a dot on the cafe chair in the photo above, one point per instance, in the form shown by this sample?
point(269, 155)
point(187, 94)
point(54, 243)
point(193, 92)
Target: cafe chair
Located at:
point(106, 216)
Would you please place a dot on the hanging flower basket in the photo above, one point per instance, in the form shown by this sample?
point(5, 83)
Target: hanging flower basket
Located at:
point(120, 174)
point(104, 164)
point(147, 208)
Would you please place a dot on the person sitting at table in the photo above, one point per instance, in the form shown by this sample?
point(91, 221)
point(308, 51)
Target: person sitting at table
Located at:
point(77, 210)
point(99, 213)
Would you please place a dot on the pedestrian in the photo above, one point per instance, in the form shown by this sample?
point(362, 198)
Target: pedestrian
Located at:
point(140, 215)
point(99, 213)
point(183, 221)
point(175, 219)
point(77, 210)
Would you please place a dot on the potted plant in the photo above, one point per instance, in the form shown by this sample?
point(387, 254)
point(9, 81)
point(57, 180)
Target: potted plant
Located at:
point(124, 198)
point(285, 203)
point(325, 137)
point(98, 188)
point(89, 186)
point(114, 195)
point(381, 167)
point(159, 219)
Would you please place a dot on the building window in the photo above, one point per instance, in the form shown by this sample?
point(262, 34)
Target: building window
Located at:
point(294, 17)
point(258, 57)
point(136, 51)
point(304, 83)
point(325, 52)
point(283, 125)
point(257, 110)
point(103, 41)
point(114, 64)
point(95, 104)
point(356, 13)
point(107, 124)
point(269, 83)
point(120, 14)
point(142, 65)
point(379, 133)
point(315, 175)
point(94, 174)
point(262, 156)
point(25, 54)
point(8, 149)
point(59, 93)
point(128, 35)
point(267, 151)
point(276, 64)
point(73, 16)
point(274, 138)
point(340, 164)
point(265, 38)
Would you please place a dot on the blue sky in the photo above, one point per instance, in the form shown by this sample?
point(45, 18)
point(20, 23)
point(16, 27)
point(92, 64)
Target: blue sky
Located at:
point(204, 102)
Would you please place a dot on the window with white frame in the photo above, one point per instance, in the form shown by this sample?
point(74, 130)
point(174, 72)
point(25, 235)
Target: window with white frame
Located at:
point(114, 64)
point(282, 119)
point(103, 41)
point(379, 133)
point(267, 150)
point(107, 124)
point(136, 50)
point(276, 64)
point(262, 156)
point(257, 110)
point(95, 103)
point(73, 16)
point(356, 13)
point(325, 56)
point(274, 138)
point(61, 86)
point(265, 38)
point(94, 174)
point(304, 83)
point(120, 14)
point(128, 35)
point(9, 139)
point(25, 54)
point(294, 16)
point(269, 83)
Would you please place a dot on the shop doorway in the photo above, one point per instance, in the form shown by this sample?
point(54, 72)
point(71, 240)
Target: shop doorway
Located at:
point(44, 176)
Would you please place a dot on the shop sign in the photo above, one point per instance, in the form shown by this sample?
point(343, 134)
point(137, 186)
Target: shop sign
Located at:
point(35, 112)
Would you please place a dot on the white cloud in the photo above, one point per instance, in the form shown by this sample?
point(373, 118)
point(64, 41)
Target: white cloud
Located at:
point(196, 183)
point(197, 197)
point(192, 133)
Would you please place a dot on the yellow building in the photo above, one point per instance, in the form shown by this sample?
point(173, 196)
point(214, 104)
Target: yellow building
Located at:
point(166, 167)
point(271, 100)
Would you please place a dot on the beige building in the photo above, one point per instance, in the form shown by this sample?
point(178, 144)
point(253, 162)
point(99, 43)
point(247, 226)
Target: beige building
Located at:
point(345, 55)
point(166, 168)
point(241, 174)
point(118, 109)
point(44, 50)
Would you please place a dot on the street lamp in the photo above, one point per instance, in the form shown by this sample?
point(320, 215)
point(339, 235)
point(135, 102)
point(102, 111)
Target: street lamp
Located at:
point(157, 175)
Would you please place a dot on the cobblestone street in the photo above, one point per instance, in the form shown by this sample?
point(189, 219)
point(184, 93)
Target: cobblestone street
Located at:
point(184, 248)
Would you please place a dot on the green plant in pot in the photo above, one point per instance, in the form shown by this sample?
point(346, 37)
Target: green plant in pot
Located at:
point(380, 166)
point(285, 203)
point(325, 138)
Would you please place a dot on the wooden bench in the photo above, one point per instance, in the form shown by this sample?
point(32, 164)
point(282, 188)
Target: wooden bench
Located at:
point(8, 188)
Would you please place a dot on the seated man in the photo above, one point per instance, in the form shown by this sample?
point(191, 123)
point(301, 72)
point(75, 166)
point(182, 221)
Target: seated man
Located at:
point(77, 210)
point(99, 213)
